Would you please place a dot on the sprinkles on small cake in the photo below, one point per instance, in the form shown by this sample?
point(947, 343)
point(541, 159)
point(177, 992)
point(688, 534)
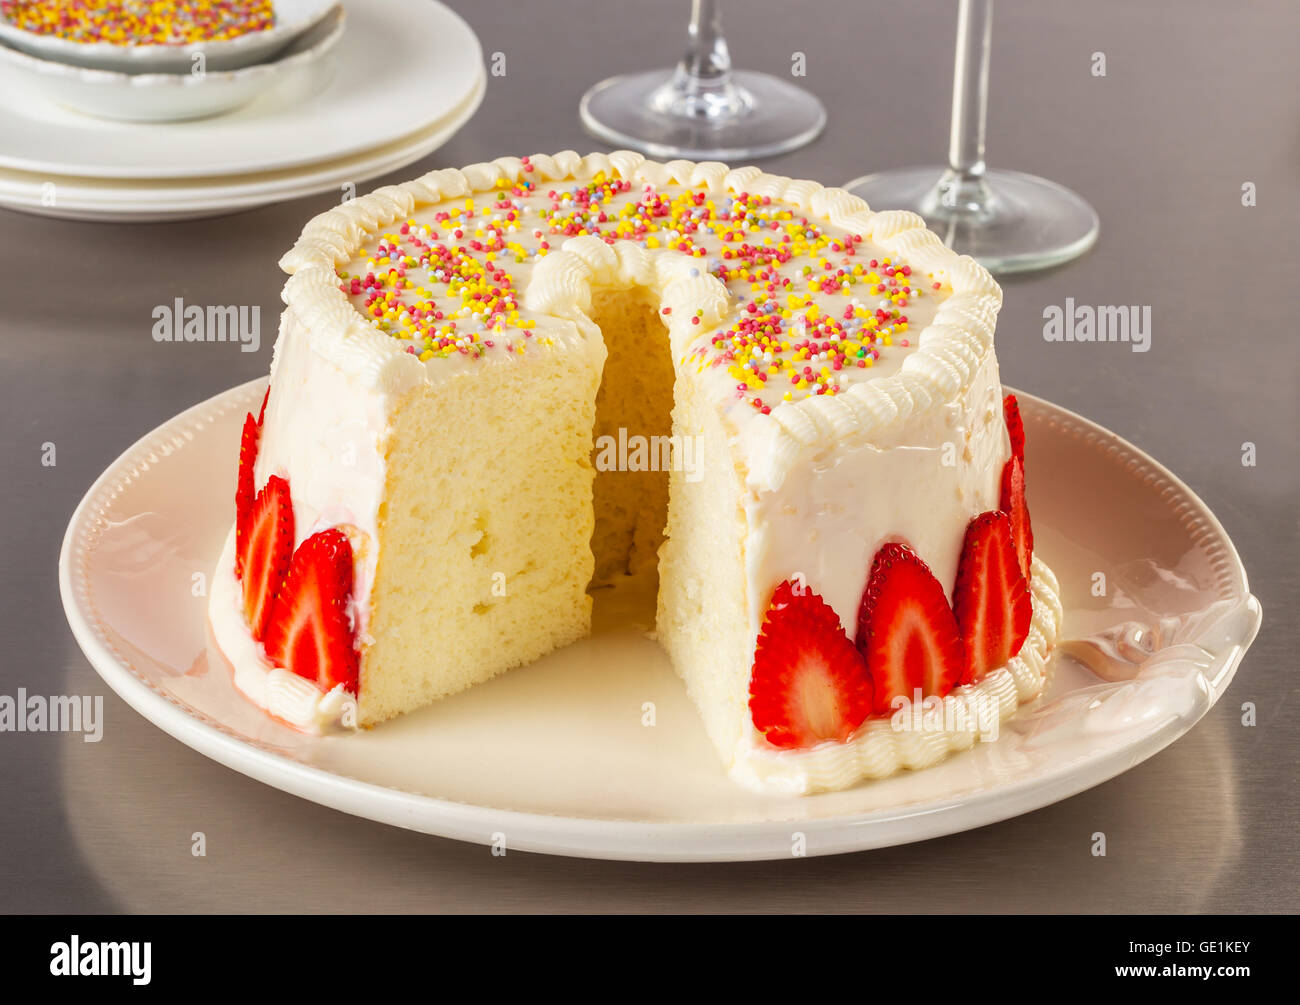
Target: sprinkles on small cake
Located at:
point(809, 306)
point(140, 22)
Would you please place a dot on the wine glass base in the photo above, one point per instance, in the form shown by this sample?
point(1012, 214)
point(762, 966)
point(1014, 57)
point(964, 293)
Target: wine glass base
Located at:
point(1024, 223)
point(777, 117)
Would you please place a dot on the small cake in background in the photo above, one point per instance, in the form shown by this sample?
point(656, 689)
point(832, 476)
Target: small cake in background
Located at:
point(140, 22)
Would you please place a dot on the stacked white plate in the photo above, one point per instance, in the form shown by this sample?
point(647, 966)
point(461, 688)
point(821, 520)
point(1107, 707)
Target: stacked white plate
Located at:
point(358, 92)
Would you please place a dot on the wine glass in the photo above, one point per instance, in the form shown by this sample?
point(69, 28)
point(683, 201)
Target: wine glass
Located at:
point(1008, 221)
point(703, 109)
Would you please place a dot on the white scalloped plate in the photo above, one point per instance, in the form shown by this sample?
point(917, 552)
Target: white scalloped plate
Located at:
point(554, 757)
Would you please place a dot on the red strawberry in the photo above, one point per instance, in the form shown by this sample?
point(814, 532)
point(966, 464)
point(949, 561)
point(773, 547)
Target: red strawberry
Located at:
point(244, 492)
point(808, 684)
point(262, 414)
point(1015, 425)
point(264, 547)
point(992, 600)
point(310, 632)
point(1013, 504)
point(906, 631)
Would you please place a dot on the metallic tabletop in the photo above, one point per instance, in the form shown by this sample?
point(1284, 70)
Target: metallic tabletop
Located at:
point(1198, 99)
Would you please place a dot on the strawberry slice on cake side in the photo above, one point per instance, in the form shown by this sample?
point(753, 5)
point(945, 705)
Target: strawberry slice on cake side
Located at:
point(907, 633)
point(991, 600)
point(1012, 497)
point(310, 627)
point(809, 684)
point(263, 552)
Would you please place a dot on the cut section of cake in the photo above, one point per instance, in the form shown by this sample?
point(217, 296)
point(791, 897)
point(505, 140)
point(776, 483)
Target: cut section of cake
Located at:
point(502, 390)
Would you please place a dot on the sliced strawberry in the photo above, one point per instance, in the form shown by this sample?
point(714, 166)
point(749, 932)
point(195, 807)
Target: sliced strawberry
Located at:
point(263, 549)
point(262, 414)
point(906, 631)
point(310, 632)
point(1013, 504)
point(1015, 425)
point(809, 683)
point(992, 599)
point(244, 492)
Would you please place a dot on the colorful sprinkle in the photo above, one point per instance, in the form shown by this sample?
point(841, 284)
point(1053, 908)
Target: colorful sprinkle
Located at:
point(140, 22)
point(812, 308)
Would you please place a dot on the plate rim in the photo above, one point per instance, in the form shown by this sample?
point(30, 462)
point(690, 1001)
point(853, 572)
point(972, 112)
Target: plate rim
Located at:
point(620, 840)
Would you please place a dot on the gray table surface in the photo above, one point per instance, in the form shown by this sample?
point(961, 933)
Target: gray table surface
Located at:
point(1198, 98)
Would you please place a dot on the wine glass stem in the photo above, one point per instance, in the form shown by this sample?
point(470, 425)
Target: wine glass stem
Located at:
point(707, 58)
point(701, 87)
point(970, 88)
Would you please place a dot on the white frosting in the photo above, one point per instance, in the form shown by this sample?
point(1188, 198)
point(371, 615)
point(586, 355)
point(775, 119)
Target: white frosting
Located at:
point(335, 380)
point(825, 513)
point(324, 431)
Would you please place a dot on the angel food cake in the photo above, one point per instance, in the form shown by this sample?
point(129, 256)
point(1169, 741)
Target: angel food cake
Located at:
point(499, 390)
